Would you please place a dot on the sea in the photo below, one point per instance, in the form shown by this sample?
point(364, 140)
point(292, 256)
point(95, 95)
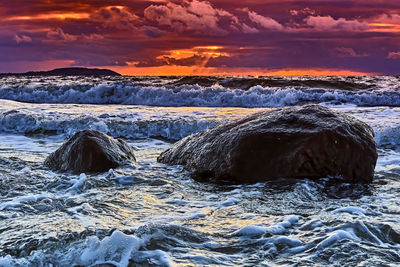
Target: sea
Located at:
point(152, 214)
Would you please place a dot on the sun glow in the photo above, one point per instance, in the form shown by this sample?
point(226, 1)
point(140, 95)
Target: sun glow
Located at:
point(205, 51)
point(225, 71)
point(49, 16)
point(118, 7)
point(385, 27)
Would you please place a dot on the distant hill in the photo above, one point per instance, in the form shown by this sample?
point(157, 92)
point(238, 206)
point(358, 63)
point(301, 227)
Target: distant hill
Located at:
point(67, 72)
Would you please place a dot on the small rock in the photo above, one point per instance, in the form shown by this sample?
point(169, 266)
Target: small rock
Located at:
point(90, 151)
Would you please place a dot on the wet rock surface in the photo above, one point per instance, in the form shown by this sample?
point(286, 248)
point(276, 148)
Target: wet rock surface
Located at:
point(90, 151)
point(310, 141)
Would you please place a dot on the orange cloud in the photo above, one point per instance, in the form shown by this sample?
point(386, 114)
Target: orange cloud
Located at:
point(50, 16)
point(385, 27)
point(207, 51)
point(386, 23)
point(196, 57)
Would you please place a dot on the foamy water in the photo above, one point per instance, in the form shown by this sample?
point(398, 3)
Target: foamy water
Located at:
point(153, 214)
point(204, 91)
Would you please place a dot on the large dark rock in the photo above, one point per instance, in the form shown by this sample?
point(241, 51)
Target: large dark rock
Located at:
point(294, 142)
point(90, 151)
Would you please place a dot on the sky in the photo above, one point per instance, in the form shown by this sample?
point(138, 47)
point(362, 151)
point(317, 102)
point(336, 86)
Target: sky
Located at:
point(196, 37)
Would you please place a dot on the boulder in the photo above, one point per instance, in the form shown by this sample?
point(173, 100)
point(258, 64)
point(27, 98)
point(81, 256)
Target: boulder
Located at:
point(90, 151)
point(309, 141)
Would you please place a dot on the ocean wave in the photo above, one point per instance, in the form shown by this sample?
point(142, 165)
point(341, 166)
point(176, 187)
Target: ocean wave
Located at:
point(193, 95)
point(245, 83)
point(29, 123)
point(130, 125)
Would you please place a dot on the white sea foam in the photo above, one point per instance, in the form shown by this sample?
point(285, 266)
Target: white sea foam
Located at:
point(388, 136)
point(336, 236)
point(6, 261)
point(115, 249)
point(357, 211)
point(193, 95)
point(229, 202)
point(17, 202)
point(119, 249)
point(251, 230)
point(77, 184)
point(277, 229)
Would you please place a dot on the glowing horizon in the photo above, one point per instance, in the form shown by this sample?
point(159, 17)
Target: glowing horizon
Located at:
point(189, 71)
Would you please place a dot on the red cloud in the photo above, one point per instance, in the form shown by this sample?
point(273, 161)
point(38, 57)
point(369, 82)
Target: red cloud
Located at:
point(328, 23)
point(265, 22)
point(344, 52)
point(22, 39)
point(193, 16)
point(59, 34)
point(394, 55)
point(118, 17)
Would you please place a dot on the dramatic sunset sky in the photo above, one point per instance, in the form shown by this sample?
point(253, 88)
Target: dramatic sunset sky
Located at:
point(191, 37)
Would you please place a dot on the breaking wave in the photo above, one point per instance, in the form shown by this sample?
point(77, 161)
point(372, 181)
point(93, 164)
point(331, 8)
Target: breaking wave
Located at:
point(204, 92)
point(146, 122)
